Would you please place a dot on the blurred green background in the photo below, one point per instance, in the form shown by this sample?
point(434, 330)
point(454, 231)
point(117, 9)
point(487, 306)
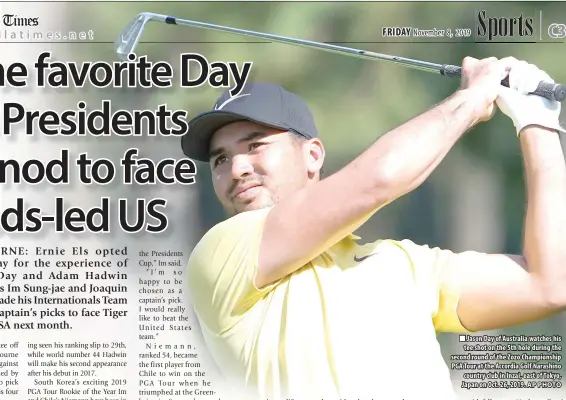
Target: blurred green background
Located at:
point(475, 200)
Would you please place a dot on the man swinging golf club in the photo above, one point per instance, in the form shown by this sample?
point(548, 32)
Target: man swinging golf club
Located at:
point(294, 306)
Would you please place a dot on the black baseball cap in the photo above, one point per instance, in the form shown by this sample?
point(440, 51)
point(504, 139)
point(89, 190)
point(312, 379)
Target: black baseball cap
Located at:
point(263, 103)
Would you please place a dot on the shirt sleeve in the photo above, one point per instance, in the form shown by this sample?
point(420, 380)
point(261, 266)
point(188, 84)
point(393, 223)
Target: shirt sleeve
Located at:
point(440, 281)
point(222, 270)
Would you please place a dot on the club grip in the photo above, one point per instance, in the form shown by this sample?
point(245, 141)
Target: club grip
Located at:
point(551, 91)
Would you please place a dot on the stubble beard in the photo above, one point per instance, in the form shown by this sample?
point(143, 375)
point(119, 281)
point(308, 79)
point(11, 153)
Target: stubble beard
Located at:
point(252, 205)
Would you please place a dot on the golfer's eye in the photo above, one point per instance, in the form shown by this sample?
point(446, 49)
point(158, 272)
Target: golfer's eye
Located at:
point(219, 160)
point(254, 146)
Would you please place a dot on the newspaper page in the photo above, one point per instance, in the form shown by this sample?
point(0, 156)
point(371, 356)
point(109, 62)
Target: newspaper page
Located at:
point(282, 200)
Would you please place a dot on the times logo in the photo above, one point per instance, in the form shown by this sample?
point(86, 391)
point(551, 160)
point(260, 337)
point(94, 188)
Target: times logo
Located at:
point(494, 28)
point(14, 20)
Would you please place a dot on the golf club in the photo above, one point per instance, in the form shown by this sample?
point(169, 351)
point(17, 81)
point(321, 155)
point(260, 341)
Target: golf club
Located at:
point(130, 37)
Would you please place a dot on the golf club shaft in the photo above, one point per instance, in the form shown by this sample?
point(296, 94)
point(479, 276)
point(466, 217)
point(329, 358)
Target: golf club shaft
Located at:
point(548, 90)
point(422, 65)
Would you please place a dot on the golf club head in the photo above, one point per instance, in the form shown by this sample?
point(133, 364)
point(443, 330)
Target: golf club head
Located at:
point(130, 36)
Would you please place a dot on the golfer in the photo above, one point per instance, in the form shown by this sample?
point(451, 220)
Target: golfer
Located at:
point(293, 305)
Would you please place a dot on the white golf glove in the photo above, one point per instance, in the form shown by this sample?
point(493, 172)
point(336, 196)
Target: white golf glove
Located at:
point(525, 109)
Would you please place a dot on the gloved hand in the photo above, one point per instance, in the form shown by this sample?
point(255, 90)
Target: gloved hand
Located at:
point(525, 109)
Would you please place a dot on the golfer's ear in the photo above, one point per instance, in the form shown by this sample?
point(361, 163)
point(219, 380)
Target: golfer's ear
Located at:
point(315, 155)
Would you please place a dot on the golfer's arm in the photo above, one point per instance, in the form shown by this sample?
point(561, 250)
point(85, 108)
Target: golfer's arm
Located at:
point(307, 223)
point(504, 291)
point(544, 247)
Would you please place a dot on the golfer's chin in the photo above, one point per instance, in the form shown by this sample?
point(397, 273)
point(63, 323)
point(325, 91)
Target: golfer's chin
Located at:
point(261, 200)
